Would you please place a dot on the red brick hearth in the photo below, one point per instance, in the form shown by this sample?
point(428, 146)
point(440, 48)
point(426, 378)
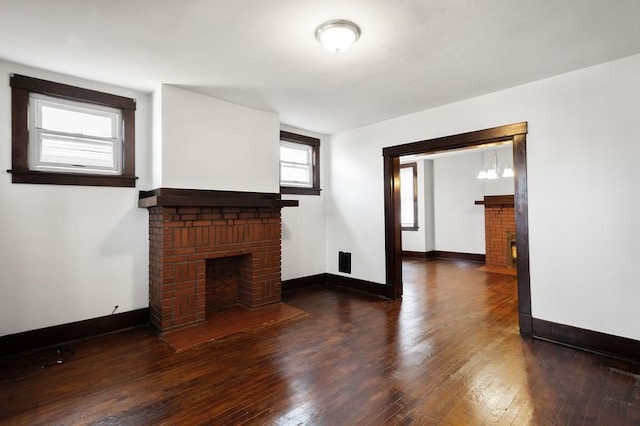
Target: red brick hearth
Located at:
point(500, 229)
point(209, 250)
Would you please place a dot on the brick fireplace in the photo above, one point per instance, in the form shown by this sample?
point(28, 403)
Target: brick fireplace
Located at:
point(500, 230)
point(209, 250)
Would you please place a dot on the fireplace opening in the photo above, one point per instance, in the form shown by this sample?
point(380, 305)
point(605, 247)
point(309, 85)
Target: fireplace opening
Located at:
point(228, 282)
point(512, 251)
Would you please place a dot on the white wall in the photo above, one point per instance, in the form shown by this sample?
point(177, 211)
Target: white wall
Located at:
point(582, 158)
point(459, 223)
point(304, 227)
point(423, 240)
point(429, 208)
point(70, 253)
point(417, 240)
point(447, 188)
point(208, 143)
point(501, 186)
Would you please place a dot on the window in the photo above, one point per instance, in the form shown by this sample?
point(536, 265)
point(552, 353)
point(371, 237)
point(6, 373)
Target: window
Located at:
point(409, 196)
point(299, 164)
point(71, 136)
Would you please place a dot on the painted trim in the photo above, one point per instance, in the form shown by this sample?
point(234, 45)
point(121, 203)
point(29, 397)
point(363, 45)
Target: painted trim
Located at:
point(59, 334)
point(334, 280)
point(392, 228)
point(304, 282)
point(408, 254)
point(440, 254)
point(370, 287)
point(314, 143)
point(21, 87)
point(414, 172)
point(177, 197)
point(587, 340)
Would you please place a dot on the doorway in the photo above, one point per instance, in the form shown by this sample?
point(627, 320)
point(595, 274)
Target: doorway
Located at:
point(514, 133)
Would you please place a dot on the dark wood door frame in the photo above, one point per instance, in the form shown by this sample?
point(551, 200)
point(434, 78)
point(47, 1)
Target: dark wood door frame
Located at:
point(515, 133)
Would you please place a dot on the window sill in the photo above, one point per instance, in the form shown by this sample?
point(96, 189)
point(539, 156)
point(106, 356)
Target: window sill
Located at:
point(49, 178)
point(299, 191)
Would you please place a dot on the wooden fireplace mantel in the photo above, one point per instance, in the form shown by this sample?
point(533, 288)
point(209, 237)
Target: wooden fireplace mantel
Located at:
point(174, 197)
point(496, 200)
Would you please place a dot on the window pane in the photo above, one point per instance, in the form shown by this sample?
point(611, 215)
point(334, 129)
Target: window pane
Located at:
point(76, 122)
point(406, 197)
point(77, 152)
point(301, 155)
point(295, 174)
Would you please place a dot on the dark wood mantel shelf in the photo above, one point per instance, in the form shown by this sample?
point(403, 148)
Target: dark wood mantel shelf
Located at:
point(496, 200)
point(173, 197)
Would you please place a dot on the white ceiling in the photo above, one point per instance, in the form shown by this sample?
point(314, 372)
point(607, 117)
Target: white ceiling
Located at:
point(412, 55)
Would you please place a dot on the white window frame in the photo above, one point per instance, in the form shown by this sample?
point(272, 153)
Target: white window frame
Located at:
point(309, 165)
point(36, 134)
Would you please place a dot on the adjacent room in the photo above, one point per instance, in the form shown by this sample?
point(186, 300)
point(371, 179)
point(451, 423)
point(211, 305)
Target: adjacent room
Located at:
point(302, 212)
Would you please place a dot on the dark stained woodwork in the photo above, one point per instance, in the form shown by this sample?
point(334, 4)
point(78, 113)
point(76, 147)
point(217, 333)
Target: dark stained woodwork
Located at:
point(334, 280)
point(462, 140)
point(19, 129)
point(129, 158)
point(516, 133)
point(449, 353)
point(440, 254)
point(350, 283)
point(302, 282)
point(59, 90)
point(589, 340)
point(392, 227)
point(409, 254)
point(71, 179)
point(21, 86)
point(298, 138)
point(414, 170)
point(173, 197)
point(60, 334)
point(315, 144)
point(522, 232)
point(496, 200)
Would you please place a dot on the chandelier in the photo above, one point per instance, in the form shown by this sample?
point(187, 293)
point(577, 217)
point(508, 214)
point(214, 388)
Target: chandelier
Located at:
point(494, 169)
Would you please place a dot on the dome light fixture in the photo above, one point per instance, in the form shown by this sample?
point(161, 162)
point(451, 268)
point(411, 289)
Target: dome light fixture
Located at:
point(337, 35)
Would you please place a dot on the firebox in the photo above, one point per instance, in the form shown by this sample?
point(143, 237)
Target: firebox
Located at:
point(512, 250)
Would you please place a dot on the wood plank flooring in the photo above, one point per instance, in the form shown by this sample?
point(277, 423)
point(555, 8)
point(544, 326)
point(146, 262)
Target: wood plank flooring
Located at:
point(449, 353)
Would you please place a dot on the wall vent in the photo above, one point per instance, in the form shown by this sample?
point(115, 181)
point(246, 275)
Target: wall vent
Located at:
point(344, 262)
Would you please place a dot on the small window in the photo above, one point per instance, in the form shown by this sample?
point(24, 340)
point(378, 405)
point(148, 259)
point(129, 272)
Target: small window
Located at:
point(74, 137)
point(71, 136)
point(299, 164)
point(409, 196)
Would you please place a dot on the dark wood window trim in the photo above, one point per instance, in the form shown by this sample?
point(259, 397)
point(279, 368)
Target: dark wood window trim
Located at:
point(314, 143)
point(413, 166)
point(21, 87)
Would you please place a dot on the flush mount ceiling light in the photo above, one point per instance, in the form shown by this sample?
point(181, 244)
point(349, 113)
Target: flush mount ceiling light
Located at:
point(337, 35)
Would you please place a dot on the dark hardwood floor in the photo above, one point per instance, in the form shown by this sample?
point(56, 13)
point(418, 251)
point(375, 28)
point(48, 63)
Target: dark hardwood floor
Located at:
point(449, 353)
